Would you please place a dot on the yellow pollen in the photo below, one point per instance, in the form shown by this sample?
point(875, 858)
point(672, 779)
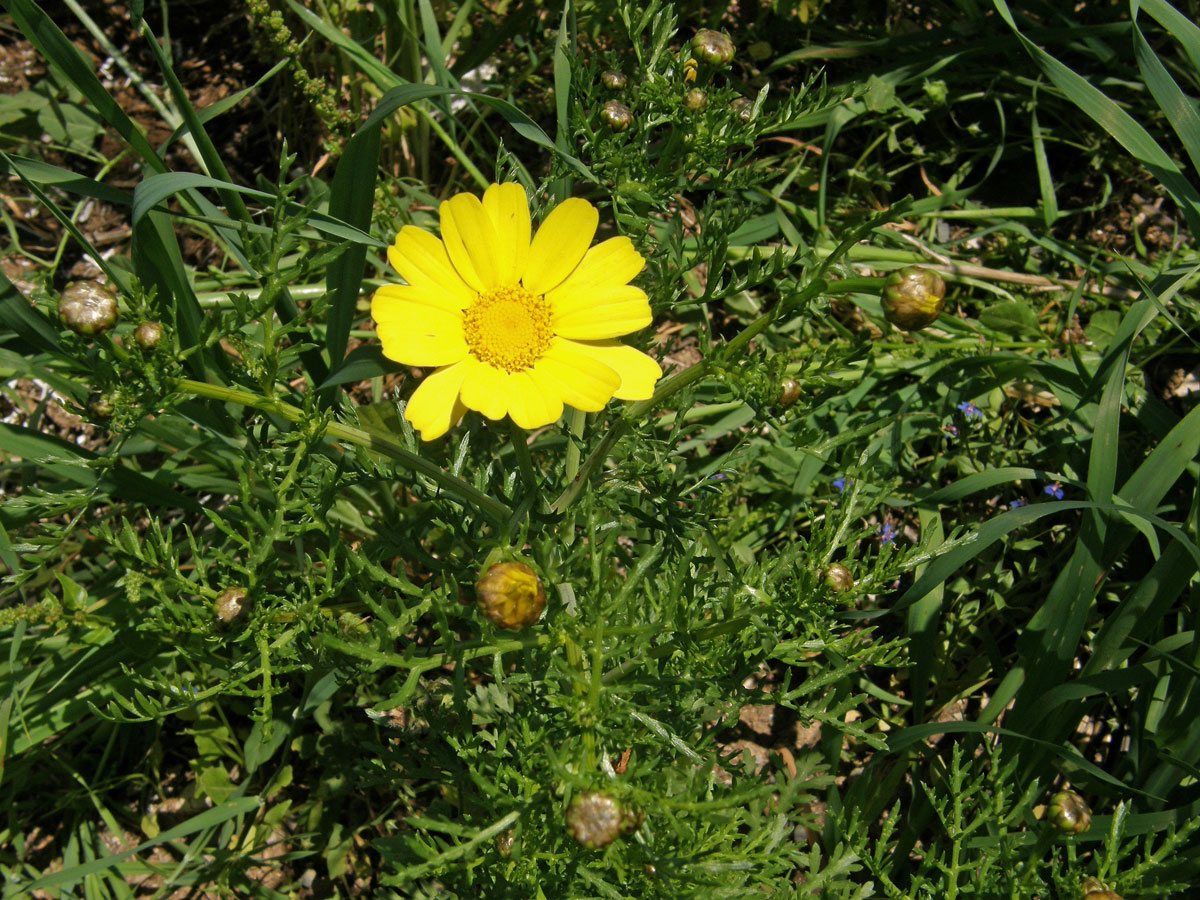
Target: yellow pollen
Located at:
point(508, 328)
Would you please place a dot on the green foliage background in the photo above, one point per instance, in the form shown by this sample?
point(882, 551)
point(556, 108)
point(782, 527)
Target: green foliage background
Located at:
point(1014, 491)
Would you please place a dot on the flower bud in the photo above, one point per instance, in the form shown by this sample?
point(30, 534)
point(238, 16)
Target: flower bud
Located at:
point(616, 115)
point(148, 335)
point(913, 297)
point(712, 47)
point(789, 392)
point(838, 578)
point(695, 100)
point(88, 307)
point(596, 820)
point(511, 595)
point(743, 109)
point(232, 604)
point(101, 405)
point(614, 81)
point(1094, 890)
point(504, 842)
point(1068, 813)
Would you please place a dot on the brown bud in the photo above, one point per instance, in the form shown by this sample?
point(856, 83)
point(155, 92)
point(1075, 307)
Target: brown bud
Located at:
point(504, 842)
point(511, 595)
point(614, 81)
point(232, 604)
point(1069, 813)
point(838, 578)
point(712, 47)
point(743, 109)
point(616, 115)
point(695, 100)
point(88, 307)
point(913, 297)
point(148, 335)
point(596, 820)
point(1093, 890)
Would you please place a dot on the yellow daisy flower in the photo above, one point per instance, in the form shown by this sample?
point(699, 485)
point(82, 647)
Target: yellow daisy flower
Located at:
point(516, 327)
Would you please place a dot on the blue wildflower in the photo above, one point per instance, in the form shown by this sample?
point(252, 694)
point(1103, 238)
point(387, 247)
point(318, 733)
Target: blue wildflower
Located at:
point(841, 482)
point(970, 410)
point(1055, 490)
point(887, 533)
point(1018, 503)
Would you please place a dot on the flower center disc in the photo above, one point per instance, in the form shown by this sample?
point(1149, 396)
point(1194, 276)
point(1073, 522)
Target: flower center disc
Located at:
point(508, 328)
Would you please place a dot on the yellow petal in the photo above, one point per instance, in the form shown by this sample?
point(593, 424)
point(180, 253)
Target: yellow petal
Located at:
point(486, 389)
point(609, 264)
point(581, 380)
point(560, 244)
point(422, 261)
point(508, 208)
point(429, 343)
point(639, 373)
point(434, 406)
point(605, 314)
point(532, 402)
point(471, 241)
point(404, 301)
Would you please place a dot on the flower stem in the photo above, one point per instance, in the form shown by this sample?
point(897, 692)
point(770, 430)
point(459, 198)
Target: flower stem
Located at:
point(524, 461)
point(384, 444)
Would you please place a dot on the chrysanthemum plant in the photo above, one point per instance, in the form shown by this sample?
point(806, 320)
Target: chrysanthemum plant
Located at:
point(431, 516)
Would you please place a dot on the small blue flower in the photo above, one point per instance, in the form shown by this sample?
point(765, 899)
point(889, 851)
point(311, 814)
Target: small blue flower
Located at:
point(1055, 490)
point(951, 431)
point(970, 410)
point(887, 533)
point(719, 476)
point(1018, 503)
point(841, 482)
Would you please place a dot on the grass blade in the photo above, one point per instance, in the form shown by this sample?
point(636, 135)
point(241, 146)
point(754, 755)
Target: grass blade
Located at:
point(1109, 116)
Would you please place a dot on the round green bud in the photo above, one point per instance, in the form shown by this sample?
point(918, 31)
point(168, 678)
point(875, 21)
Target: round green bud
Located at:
point(789, 392)
point(838, 578)
point(1069, 813)
point(101, 405)
point(913, 297)
point(743, 109)
point(712, 47)
point(596, 820)
point(88, 307)
point(695, 100)
point(616, 115)
point(232, 604)
point(148, 335)
point(614, 81)
point(511, 595)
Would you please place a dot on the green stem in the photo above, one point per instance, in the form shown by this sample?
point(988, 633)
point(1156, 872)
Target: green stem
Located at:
point(498, 512)
point(524, 460)
point(576, 419)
